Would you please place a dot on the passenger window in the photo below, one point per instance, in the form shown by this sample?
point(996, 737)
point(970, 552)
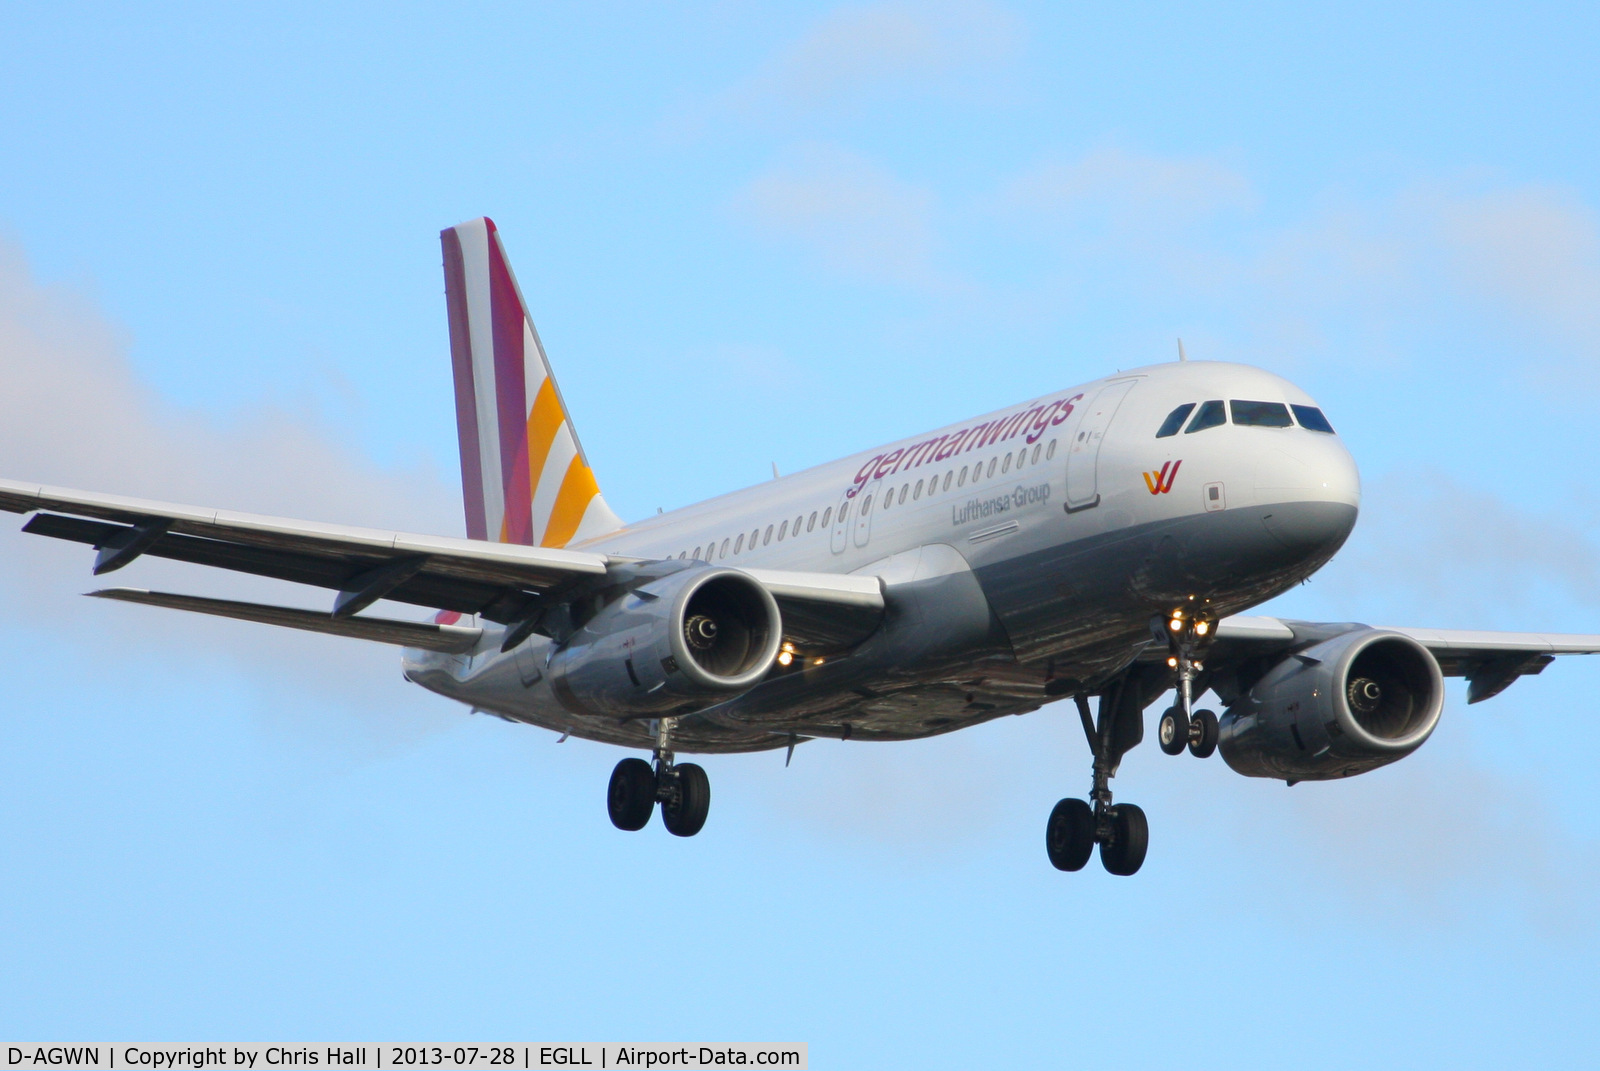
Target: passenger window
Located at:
point(1261, 414)
point(812, 523)
point(724, 551)
point(1175, 420)
point(682, 554)
point(697, 553)
point(1036, 450)
point(1050, 453)
point(992, 461)
point(888, 499)
point(1007, 466)
point(947, 478)
point(866, 505)
point(739, 543)
point(1212, 414)
point(796, 529)
point(903, 489)
point(842, 511)
point(961, 481)
point(1311, 418)
point(754, 536)
point(916, 492)
point(782, 530)
point(768, 538)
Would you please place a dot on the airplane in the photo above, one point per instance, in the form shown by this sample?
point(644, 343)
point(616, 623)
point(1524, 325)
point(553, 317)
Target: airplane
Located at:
point(1099, 543)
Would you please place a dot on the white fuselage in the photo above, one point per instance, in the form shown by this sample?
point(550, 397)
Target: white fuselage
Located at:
point(1076, 521)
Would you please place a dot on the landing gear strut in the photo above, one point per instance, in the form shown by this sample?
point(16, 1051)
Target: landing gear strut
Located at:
point(1181, 726)
point(1120, 830)
point(682, 789)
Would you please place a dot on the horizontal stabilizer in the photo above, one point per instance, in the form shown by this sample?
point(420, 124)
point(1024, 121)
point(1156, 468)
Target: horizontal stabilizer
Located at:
point(449, 639)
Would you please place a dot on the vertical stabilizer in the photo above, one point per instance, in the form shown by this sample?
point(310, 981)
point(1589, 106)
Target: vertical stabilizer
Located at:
point(524, 476)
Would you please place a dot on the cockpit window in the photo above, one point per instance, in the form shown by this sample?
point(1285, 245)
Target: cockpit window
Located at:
point(1261, 414)
point(1175, 420)
point(1212, 414)
point(1311, 418)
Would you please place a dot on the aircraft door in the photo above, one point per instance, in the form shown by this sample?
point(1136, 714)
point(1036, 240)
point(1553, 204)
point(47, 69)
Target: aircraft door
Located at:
point(1083, 452)
point(865, 501)
point(840, 539)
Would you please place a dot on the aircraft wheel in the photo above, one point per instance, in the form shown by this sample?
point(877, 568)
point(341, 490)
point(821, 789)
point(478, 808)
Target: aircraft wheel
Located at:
point(1173, 731)
point(1123, 854)
point(1203, 740)
point(684, 813)
point(1069, 835)
point(632, 794)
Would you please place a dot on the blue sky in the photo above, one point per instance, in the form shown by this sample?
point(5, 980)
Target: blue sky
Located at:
point(755, 234)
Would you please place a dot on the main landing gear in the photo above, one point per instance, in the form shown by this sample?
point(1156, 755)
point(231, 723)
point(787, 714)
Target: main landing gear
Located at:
point(683, 790)
point(1122, 833)
point(1075, 827)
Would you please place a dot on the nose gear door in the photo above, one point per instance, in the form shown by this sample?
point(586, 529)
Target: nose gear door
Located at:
point(1083, 452)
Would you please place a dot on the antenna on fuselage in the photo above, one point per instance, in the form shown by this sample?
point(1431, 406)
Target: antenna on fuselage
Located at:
point(1181, 355)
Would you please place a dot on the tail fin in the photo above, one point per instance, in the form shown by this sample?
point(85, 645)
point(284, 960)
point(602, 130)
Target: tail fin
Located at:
point(524, 476)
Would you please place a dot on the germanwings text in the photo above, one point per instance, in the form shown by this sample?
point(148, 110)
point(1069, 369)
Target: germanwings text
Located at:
point(1030, 423)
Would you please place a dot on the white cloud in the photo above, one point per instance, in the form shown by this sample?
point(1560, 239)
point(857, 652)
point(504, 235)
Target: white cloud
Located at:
point(1111, 188)
point(74, 414)
point(855, 49)
point(857, 54)
point(855, 217)
point(1534, 249)
point(1459, 555)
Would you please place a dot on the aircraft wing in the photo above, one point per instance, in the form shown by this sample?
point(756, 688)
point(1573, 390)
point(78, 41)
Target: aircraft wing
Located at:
point(1491, 661)
point(502, 582)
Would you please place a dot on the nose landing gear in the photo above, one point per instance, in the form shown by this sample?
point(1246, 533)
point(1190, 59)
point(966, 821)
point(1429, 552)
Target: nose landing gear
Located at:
point(1181, 726)
point(1198, 733)
point(683, 790)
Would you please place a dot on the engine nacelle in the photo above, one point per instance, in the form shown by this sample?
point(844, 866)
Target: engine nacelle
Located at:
point(1345, 706)
point(696, 635)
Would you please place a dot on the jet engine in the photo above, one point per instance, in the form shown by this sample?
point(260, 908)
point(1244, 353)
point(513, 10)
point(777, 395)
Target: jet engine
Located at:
point(1344, 706)
point(693, 637)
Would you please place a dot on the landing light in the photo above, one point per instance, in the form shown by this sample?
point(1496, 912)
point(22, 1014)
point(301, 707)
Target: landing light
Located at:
point(1201, 627)
point(1176, 624)
point(785, 657)
point(1173, 662)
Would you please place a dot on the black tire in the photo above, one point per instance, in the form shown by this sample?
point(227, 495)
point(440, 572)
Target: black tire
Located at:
point(1130, 839)
point(1204, 742)
point(1172, 731)
point(631, 796)
point(1069, 835)
point(684, 813)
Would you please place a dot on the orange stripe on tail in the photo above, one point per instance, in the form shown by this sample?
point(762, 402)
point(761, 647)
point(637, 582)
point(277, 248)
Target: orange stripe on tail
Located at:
point(578, 489)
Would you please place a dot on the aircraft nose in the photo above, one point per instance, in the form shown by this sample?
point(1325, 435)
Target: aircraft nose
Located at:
point(1311, 494)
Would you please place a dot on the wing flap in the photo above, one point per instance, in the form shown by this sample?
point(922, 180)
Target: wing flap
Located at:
point(1490, 661)
point(536, 566)
point(501, 582)
point(497, 580)
point(449, 639)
